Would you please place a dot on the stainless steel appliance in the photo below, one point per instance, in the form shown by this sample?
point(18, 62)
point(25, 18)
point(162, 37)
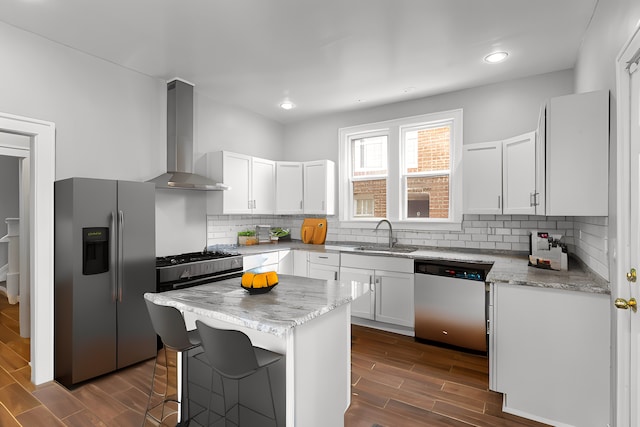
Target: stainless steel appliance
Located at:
point(180, 169)
point(451, 304)
point(104, 253)
point(196, 268)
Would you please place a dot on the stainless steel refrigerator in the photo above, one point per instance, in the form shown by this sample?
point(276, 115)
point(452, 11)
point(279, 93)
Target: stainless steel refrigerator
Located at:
point(104, 263)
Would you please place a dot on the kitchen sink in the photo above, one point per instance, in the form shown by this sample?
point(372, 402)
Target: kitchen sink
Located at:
point(394, 249)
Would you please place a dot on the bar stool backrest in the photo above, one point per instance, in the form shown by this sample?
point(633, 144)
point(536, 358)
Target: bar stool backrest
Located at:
point(169, 324)
point(229, 352)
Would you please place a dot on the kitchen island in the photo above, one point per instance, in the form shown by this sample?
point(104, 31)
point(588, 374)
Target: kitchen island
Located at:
point(307, 320)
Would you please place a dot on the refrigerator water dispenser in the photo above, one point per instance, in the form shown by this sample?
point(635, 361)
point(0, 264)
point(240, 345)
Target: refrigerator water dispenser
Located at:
point(95, 250)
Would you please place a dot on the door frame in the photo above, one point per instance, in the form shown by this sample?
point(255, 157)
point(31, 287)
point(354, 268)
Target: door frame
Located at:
point(621, 336)
point(42, 175)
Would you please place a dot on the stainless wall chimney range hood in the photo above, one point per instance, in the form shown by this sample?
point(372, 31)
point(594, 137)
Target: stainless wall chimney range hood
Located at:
point(180, 143)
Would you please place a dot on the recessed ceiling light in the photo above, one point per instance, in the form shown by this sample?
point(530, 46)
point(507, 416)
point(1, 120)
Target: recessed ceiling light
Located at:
point(287, 105)
point(495, 57)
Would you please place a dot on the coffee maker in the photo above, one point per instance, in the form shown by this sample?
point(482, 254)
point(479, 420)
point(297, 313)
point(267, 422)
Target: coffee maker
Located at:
point(547, 251)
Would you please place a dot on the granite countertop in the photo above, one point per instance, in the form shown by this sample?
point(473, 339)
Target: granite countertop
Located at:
point(293, 302)
point(506, 267)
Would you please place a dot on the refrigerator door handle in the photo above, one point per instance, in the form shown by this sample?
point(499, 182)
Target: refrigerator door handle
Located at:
point(120, 254)
point(114, 272)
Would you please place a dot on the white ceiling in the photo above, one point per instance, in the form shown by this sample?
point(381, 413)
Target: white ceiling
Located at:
point(325, 55)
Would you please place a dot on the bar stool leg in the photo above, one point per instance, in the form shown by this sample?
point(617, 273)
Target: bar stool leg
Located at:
point(273, 402)
point(153, 391)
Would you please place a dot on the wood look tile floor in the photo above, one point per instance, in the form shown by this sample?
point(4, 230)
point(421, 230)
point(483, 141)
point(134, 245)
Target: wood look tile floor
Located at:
point(396, 382)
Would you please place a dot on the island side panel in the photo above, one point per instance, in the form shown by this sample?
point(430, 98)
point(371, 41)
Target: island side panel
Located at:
point(322, 369)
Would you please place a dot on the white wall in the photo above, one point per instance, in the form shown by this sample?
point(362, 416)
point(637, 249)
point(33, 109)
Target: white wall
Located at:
point(107, 117)
point(491, 112)
point(612, 25)
point(111, 124)
point(223, 127)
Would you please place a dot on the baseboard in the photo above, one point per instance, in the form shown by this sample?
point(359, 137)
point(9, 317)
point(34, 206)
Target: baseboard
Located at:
point(402, 330)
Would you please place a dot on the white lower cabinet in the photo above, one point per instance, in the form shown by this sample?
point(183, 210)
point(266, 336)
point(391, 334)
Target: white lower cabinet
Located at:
point(285, 262)
point(550, 354)
point(391, 281)
point(301, 263)
point(258, 263)
point(364, 306)
point(324, 265)
point(316, 265)
point(325, 272)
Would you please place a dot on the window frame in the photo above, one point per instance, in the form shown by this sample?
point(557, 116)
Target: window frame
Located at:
point(396, 181)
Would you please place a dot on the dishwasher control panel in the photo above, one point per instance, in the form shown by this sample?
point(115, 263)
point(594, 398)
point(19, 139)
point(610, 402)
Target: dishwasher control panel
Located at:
point(468, 271)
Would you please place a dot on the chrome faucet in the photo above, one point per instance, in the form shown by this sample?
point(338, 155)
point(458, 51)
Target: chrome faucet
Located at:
point(390, 231)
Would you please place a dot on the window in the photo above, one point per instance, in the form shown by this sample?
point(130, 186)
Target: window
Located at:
point(425, 175)
point(405, 170)
point(369, 175)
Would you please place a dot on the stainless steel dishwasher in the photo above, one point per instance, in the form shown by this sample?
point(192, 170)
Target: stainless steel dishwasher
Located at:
point(451, 304)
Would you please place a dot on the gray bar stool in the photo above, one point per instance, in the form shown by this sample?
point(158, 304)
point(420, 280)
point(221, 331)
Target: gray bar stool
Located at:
point(169, 325)
point(230, 354)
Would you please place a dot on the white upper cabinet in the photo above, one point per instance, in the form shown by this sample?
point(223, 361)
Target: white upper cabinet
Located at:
point(519, 175)
point(482, 178)
point(319, 187)
point(251, 181)
point(263, 186)
point(500, 177)
point(577, 154)
point(289, 188)
point(541, 178)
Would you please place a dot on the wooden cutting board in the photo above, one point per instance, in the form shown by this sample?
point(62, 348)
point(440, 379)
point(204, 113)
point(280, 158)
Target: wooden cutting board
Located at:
point(314, 230)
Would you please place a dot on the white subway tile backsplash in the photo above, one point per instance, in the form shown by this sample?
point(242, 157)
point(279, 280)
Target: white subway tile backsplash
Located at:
point(483, 232)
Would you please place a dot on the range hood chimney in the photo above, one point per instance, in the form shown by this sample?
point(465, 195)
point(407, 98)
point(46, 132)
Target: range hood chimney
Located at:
point(180, 142)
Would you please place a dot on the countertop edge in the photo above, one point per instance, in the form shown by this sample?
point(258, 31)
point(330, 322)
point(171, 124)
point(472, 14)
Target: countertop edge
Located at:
point(511, 268)
point(279, 328)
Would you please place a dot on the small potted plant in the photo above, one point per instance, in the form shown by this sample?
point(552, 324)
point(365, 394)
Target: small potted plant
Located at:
point(247, 237)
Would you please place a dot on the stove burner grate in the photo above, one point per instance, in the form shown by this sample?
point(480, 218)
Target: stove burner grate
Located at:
point(190, 257)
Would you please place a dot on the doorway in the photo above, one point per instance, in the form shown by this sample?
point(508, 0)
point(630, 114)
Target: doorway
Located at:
point(14, 221)
point(39, 172)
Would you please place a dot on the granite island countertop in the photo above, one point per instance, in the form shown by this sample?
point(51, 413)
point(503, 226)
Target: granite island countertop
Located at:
point(293, 302)
point(507, 268)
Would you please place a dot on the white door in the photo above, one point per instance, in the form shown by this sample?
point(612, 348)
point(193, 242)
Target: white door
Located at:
point(482, 178)
point(634, 252)
point(365, 305)
point(288, 188)
point(237, 175)
point(301, 263)
point(263, 185)
point(519, 174)
point(324, 272)
point(315, 187)
point(625, 285)
point(394, 298)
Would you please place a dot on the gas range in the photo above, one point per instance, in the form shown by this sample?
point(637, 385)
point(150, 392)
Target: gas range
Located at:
point(196, 268)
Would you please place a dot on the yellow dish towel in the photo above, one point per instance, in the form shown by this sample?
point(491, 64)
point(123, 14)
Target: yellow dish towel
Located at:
point(259, 280)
